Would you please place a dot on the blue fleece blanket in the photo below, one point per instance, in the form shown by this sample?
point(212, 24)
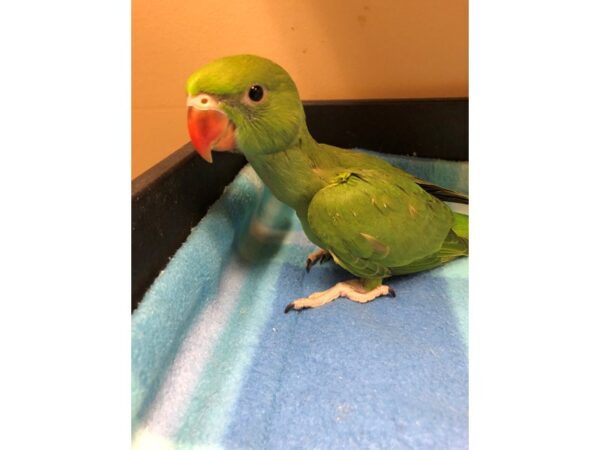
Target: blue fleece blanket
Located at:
point(216, 363)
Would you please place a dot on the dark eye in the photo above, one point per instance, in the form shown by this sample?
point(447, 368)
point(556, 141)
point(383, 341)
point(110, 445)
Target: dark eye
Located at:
point(256, 93)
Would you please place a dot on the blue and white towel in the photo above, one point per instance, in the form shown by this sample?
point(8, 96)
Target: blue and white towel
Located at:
point(217, 364)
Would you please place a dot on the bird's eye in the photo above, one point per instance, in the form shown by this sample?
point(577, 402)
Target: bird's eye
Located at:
point(256, 93)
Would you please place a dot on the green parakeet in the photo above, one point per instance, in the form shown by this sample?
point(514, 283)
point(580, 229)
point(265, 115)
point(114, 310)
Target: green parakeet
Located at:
point(373, 219)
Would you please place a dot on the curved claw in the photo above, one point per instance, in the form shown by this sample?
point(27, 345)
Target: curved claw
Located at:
point(324, 258)
point(391, 292)
point(290, 306)
point(309, 264)
point(318, 256)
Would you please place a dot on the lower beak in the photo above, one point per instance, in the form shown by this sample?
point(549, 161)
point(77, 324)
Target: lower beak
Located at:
point(210, 129)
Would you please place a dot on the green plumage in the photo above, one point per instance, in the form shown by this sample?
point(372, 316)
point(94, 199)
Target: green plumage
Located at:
point(375, 220)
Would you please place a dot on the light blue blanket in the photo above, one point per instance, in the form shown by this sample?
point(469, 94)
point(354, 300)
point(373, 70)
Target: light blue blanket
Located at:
point(216, 363)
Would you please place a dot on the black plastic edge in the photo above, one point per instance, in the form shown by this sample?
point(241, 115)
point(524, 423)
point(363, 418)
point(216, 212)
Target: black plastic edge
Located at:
point(429, 128)
point(167, 202)
point(170, 198)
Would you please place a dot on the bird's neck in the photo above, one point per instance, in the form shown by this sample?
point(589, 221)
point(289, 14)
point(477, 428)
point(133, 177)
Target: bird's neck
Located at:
point(293, 175)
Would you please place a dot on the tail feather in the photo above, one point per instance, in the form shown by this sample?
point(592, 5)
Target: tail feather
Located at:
point(461, 225)
point(457, 242)
point(455, 245)
point(446, 195)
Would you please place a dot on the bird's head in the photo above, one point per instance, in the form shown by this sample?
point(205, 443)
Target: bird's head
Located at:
point(243, 102)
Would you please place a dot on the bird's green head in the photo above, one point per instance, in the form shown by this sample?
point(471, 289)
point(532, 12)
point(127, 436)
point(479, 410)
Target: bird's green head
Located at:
point(243, 102)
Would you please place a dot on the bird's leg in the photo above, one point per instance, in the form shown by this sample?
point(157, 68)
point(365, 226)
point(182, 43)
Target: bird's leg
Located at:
point(318, 255)
point(361, 291)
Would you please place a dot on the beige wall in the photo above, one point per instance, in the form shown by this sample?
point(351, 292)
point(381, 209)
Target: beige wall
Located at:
point(333, 50)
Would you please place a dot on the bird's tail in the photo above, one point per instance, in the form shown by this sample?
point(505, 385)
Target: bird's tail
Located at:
point(455, 246)
point(445, 195)
point(461, 225)
point(457, 242)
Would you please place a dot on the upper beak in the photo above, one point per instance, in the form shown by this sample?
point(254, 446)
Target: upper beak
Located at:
point(208, 126)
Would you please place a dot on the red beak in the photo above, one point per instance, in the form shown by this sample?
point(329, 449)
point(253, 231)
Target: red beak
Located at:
point(210, 129)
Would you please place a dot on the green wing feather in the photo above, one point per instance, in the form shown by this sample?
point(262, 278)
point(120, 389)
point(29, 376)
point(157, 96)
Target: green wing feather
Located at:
point(373, 221)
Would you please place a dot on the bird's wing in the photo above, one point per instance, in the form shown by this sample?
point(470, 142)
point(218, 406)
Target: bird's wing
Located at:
point(371, 222)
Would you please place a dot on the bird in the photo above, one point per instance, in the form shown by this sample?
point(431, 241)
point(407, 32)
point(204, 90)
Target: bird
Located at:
point(372, 219)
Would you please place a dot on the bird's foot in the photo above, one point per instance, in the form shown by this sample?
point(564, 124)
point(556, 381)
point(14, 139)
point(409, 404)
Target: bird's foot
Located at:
point(319, 256)
point(352, 290)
